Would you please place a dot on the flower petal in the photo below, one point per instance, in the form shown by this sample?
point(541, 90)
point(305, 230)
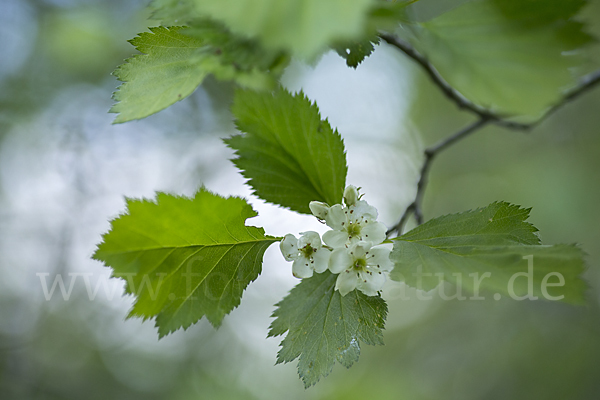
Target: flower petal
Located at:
point(321, 260)
point(318, 209)
point(362, 209)
point(359, 250)
point(340, 260)
point(370, 282)
point(301, 268)
point(373, 232)
point(311, 238)
point(346, 282)
point(289, 247)
point(335, 239)
point(336, 217)
point(380, 257)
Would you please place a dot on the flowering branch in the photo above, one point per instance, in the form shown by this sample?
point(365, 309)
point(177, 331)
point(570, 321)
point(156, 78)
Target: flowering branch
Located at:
point(485, 117)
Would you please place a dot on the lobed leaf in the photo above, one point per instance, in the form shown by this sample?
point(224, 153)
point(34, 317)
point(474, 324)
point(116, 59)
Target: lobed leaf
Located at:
point(185, 258)
point(289, 155)
point(494, 240)
point(176, 60)
point(324, 327)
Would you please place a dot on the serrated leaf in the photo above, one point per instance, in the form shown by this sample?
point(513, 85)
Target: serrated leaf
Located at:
point(324, 327)
point(185, 258)
point(354, 53)
point(174, 64)
point(514, 57)
point(289, 155)
point(303, 27)
point(383, 16)
point(495, 240)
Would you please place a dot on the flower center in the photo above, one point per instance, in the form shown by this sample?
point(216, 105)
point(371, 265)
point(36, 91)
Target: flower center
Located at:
point(360, 264)
point(353, 230)
point(307, 251)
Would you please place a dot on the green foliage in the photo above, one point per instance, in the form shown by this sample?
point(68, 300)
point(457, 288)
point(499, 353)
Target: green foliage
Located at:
point(174, 64)
point(183, 258)
point(303, 27)
point(493, 239)
point(355, 52)
point(324, 327)
point(513, 57)
point(290, 156)
point(186, 258)
point(384, 16)
point(241, 53)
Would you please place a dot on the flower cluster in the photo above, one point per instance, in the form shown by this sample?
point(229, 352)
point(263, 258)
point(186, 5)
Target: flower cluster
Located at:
point(348, 249)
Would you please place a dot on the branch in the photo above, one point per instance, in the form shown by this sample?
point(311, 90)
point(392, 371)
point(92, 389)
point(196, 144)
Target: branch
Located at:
point(430, 153)
point(485, 117)
point(587, 83)
point(453, 94)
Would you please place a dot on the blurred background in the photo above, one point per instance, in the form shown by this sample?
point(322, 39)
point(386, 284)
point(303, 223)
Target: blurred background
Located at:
point(64, 172)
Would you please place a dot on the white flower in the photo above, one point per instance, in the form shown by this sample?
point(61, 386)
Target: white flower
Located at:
point(360, 267)
point(307, 253)
point(352, 224)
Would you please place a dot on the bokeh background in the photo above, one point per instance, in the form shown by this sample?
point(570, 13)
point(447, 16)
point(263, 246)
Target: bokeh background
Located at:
point(64, 172)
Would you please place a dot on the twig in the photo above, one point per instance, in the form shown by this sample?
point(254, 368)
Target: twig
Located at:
point(430, 153)
point(586, 83)
point(485, 117)
point(453, 94)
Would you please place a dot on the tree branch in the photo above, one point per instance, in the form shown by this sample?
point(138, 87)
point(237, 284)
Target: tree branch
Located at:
point(453, 94)
point(586, 83)
point(485, 117)
point(430, 153)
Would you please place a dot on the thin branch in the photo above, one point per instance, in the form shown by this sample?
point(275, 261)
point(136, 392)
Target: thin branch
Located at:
point(586, 83)
point(453, 94)
point(430, 153)
point(485, 117)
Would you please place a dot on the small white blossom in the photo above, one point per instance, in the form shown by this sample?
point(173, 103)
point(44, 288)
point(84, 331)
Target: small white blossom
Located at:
point(307, 254)
point(352, 224)
point(360, 267)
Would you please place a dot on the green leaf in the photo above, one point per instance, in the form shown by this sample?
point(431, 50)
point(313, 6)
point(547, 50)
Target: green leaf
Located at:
point(514, 57)
point(324, 327)
point(173, 12)
point(185, 258)
point(495, 240)
point(354, 53)
point(386, 16)
point(303, 27)
point(174, 64)
point(241, 53)
point(289, 155)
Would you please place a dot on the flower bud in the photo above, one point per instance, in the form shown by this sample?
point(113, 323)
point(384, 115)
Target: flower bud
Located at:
point(319, 209)
point(350, 195)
